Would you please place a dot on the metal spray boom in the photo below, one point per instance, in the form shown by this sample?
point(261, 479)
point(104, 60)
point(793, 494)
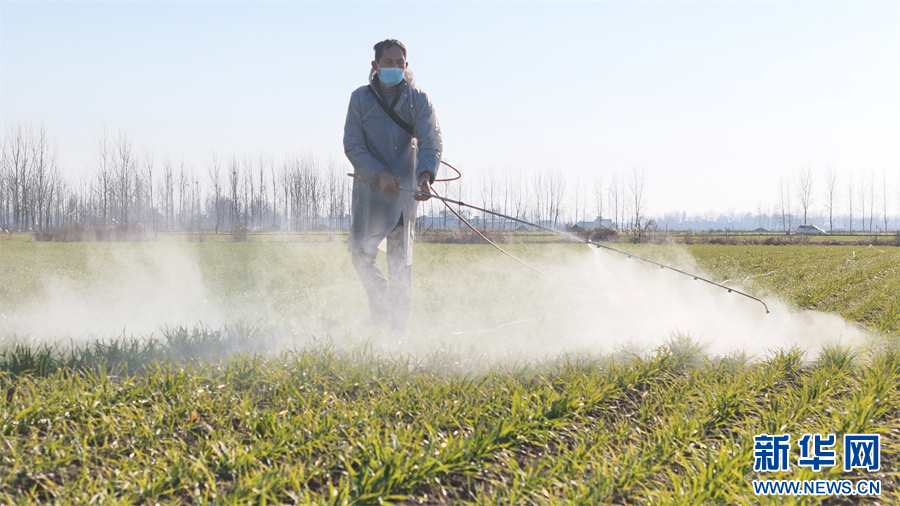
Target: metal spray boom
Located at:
point(578, 239)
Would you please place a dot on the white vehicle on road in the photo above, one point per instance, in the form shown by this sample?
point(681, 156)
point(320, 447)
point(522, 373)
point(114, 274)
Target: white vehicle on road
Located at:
point(810, 230)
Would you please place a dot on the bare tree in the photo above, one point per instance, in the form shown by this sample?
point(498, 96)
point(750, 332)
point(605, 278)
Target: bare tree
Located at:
point(5, 194)
point(871, 201)
point(249, 193)
point(445, 211)
point(518, 192)
point(539, 185)
point(56, 193)
point(784, 204)
point(804, 187)
point(307, 192)
point(197, 199)
point(491, 183)
point(549, 191)
point(145, 207)
point(40, 181)
point(168, 194)
point(5, 200)
point(233, 186)
point(104, 177)
point(185, 201)
point(636, 189)
point(615, 197)
point(313, 187)
point(830, 194)
point(488, 189)
point(884, 198)
point(579, 189)
point(262, 195)
point(284, 185)
point(556, 195)
point(34, 174)
point(862, 201)
point(215, 179)
point(464, 192)
point(761, 213)
point(598, 198)
point(274, 194)
point(335, 200)
point(125, 168)
point(850, 200)
point(505, 197)
point(17, 160)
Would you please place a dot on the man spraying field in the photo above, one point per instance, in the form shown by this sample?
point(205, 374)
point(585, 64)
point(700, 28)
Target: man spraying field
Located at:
point(392, 139)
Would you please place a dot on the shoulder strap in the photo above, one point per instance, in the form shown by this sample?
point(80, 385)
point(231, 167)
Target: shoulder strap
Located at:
point(390, 112)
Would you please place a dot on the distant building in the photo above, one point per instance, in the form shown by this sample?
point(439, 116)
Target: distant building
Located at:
point(596, 223)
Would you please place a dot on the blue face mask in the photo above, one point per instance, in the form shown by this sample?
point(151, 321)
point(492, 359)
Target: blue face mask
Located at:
point(391, 76)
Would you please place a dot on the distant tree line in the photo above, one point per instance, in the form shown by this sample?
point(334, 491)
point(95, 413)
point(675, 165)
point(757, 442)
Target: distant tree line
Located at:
point(128, 189)
point(864, 203)
point(125, 188)
point(545, 198)
point(852, 203)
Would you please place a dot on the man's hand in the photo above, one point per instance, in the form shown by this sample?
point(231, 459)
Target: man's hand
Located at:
point(388, 182)
point(424, 183)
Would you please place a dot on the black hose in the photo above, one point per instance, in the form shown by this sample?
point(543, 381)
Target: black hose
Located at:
point(571, 236)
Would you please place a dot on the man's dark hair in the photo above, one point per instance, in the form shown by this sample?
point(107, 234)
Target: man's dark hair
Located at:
point(387, 44)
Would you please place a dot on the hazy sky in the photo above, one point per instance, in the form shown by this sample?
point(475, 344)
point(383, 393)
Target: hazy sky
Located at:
point(714, 100)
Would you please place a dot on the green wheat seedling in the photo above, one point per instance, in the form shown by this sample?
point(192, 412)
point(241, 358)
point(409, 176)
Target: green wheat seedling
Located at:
point(325, 426)
point(244, 414)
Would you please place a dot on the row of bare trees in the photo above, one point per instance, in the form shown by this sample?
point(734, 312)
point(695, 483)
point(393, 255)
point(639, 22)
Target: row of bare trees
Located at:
point(125, 187)
point(30, 182)
point(545, 198)
point(864, 202)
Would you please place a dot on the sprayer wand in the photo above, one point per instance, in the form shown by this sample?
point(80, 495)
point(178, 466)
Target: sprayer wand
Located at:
point(573, 237)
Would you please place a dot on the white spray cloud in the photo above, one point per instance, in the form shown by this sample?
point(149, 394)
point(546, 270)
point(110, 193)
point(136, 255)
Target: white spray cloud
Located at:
point(626, 303)
point(132, 288)
point(484, 308)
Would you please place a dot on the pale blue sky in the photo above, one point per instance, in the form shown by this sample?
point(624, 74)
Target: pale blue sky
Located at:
point(715, 100)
